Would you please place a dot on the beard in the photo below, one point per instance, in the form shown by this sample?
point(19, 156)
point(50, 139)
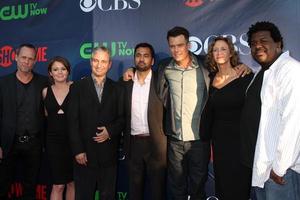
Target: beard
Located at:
point(25, 69)
point(142, 67)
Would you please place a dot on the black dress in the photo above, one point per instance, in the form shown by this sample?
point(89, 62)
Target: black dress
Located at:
point(57, 143)
point(221, 119)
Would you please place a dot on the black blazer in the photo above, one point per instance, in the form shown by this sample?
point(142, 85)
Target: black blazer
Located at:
point(8, 108)
point(85, 114)
point(155, 121)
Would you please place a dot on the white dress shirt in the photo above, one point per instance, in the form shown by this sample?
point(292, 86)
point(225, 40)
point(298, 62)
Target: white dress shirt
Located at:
point(278, 140)
point(139, 105)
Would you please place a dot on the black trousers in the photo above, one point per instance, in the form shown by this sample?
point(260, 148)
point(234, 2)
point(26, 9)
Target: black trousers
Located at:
point(88, 180)
point(187, 168)
point(143, 166)
point(28, 154)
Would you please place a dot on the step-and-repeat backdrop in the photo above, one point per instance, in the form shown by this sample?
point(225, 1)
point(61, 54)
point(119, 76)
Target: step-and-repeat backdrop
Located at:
point(73, 28)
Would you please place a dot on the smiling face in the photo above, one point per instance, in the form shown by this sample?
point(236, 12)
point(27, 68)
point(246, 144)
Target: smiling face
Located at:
point(59, 72)
point(221, 52)
point(179, 48)
point(25, 59)
point(143, 59)
point(264, 49)
point(100, 63)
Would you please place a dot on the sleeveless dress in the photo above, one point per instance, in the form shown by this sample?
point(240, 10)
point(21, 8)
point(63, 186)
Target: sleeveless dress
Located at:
point(222, 116)
point(57, 142)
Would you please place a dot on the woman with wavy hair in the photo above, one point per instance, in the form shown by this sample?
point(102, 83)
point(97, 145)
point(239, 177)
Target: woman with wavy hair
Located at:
point(221, 119)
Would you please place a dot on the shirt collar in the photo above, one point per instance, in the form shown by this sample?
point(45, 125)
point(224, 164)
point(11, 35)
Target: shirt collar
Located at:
point(194, 63)
point(281, 57)
point(95, 81)
point(147, 79)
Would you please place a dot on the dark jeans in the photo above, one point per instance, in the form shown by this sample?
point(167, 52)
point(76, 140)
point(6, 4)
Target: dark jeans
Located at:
point(187, 168)
point(27, 154)
point(143, 166)
point(273, 191)
point(88, 180)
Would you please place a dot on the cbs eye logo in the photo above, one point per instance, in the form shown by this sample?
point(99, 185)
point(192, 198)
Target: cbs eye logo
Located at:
point(196, 45)
point(87, 5)
point(90, 5)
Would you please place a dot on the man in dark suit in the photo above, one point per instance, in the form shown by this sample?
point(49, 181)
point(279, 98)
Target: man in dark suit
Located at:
point(145, 143)
point(96, 119)
point(21, 122)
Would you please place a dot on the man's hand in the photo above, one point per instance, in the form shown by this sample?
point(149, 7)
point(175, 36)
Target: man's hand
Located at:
point(102, 135)
point(81, 159)
point(242, 70)
point(277, 179)
point(128, 74)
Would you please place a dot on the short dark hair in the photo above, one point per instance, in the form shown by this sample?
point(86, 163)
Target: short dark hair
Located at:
point(60, 59)
point(28, 45)
point(176, 31)
point(265, 26)
point(145, 45)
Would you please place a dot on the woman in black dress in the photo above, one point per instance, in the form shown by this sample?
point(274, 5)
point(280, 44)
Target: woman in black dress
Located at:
point(221, 119)
point(57, 143)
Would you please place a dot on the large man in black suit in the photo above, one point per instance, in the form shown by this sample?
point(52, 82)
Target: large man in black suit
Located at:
point(21, 122)
point(145, 143)
point(96, 119)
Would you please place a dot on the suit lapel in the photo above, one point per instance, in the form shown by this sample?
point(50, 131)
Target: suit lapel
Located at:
point(13, 89)
point(129, 87)
point(152, 90)
point(92, 89)
point(106, 91)
point(152, 94)
point(37, 90)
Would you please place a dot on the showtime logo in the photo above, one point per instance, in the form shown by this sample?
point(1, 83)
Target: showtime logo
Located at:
point(240, 43)
point(112, 5)
point(7, 55)
point(16, 191)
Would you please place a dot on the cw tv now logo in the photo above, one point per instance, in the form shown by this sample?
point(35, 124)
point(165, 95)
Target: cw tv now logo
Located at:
point(111, 5)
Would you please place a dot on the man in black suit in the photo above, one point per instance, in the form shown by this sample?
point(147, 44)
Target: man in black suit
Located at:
point(145, 143)
point(21, 122)
point(96, 119)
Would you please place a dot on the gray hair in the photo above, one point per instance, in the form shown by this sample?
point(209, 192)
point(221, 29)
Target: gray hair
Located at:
point(101, 48)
